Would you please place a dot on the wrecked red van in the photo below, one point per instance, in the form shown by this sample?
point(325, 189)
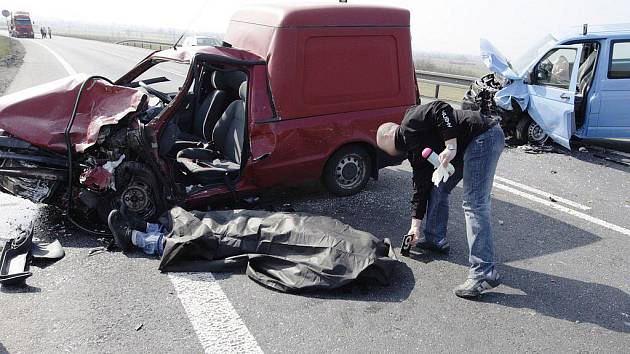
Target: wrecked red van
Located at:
point(294, 94)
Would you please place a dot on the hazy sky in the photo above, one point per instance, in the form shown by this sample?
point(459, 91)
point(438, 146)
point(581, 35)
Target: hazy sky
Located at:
point(453, 26)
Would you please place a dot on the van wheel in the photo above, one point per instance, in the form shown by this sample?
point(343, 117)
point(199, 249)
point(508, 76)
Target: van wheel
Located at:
point(527, 131)
point(347, 171)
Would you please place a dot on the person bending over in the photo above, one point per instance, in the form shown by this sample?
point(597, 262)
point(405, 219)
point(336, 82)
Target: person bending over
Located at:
point(473, 143)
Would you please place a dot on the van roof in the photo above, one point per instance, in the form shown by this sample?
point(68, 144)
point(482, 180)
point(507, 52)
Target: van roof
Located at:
point(186, 54)
point(612, 31)
point(332, 15)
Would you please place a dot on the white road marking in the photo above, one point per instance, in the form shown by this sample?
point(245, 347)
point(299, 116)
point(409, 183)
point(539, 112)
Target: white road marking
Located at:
point(542, 193)
point(218, 326)
point(564, 209)
point(61, 60)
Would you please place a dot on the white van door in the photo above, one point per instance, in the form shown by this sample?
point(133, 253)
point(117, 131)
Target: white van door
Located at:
point(552, 92)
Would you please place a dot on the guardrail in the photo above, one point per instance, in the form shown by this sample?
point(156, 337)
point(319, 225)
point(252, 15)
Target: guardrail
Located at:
point(441, 79)
point(138, 43)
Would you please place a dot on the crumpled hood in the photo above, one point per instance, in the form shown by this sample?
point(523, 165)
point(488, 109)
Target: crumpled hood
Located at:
point(499, 64)
point(496, 61)
point(39, 115)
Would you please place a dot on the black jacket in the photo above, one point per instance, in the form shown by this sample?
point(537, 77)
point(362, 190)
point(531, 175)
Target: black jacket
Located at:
point(429, 125)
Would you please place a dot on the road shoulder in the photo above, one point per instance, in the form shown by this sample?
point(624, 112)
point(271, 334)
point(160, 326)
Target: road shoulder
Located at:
point(11, 58)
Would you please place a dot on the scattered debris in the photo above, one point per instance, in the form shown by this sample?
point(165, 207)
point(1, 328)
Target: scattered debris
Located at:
point(582, 149)
point(51, 250)
point(501, 222)
point(553, 199)
point(20, 252)
point(193, 187)
point(539, 149)
point(553, 172)
point(15, 259)
point(251, 200)
point(96, 250)
point(139, 327)
point(613, 160)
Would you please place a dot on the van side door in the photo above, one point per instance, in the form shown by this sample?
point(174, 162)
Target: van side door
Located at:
point(614, 92)
point(552, 92)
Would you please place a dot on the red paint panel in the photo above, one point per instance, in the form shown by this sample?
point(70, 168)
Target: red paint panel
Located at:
point(299, 148)
point(330, 81)
point(259, 99)
point(185, 54)
point(96, 178)
point(332, 58)
point(39, 115)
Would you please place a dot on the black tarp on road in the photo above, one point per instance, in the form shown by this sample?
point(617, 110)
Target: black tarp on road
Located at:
point(285, 251)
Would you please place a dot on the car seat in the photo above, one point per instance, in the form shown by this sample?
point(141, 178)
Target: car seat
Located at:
point(213, 165)
point(585, 73)
point(226, 86)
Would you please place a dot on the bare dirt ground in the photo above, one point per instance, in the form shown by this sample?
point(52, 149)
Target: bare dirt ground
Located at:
point(11, 56)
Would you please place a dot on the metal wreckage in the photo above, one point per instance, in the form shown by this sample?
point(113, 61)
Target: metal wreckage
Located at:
point(89, 145)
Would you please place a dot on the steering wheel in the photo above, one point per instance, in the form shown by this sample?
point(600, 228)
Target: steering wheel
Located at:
point(159, 94)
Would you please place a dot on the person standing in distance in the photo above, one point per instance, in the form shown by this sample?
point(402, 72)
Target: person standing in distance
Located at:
point(473, 143)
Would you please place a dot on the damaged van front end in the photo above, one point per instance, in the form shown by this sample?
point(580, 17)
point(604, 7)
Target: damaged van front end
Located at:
point(574, 90)
point(504, 93)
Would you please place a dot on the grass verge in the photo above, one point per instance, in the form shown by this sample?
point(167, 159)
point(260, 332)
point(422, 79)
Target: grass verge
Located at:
point(5, 46)
point(446, 93)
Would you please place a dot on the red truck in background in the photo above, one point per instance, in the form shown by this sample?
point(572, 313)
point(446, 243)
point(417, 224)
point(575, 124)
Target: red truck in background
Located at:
point(20, 25)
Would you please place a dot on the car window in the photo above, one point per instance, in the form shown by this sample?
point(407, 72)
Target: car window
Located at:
point(524, 62)
point(619, 67)
point(174, 72)
point(554, 69)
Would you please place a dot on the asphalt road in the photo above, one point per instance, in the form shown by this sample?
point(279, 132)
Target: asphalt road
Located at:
point(565, 261)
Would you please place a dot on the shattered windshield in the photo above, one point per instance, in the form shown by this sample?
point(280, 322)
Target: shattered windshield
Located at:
point(173, 71)
point(521, 64)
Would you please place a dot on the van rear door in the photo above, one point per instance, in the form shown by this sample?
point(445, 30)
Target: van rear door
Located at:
point(552, 92)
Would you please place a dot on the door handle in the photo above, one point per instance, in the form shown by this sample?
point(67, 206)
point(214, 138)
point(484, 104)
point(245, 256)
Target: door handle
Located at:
point(565, 96)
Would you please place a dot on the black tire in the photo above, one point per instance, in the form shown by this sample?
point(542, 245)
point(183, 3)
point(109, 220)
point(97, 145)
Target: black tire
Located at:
point(528, 132)
point(347, 171)
point(138, 188)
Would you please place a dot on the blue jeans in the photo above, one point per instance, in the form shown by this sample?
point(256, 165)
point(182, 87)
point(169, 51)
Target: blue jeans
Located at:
point(151, 241)
point(480, 163)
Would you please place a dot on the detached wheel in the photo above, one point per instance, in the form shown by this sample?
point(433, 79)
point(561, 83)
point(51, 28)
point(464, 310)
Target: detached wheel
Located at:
point(347, 171)
point(527, 131)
